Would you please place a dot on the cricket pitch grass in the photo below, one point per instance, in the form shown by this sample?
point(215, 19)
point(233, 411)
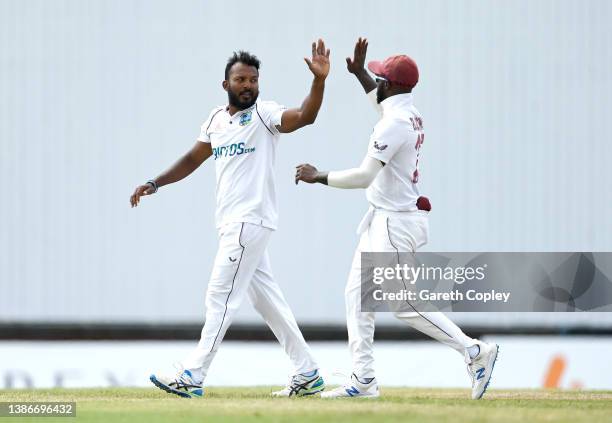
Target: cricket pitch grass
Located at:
point(255, 405)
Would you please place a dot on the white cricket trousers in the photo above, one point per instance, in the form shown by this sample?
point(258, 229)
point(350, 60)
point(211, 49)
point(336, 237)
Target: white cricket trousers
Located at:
point(242, 268)
point(383, 231)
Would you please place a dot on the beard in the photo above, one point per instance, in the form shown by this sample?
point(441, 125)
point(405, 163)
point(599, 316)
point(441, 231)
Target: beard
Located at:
point(234, 99)
point(380, 94)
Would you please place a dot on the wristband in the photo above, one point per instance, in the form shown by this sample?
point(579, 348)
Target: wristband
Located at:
point(321, 177)
point(153, 185)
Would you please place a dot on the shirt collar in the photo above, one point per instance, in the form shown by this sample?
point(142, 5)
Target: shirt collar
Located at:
point(240, 111)
point(398, 100)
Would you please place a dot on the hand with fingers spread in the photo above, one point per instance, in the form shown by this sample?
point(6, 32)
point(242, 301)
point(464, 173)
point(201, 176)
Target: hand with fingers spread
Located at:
point(319, 63)
point(298, 117)
point(357, 63)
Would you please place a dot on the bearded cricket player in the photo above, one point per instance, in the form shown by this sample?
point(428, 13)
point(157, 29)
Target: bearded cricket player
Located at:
point(397, 220)
point(242, 138)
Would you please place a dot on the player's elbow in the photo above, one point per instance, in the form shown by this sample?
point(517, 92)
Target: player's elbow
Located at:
point(309, 120)
point(299, 123)
point(364, 180)
point(366, 184)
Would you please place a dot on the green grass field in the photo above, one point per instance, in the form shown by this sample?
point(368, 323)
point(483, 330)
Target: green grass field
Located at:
point(255, 405)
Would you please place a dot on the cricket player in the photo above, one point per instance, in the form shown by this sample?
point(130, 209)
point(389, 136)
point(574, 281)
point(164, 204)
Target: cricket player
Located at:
point(242, 138)
point(396, 220)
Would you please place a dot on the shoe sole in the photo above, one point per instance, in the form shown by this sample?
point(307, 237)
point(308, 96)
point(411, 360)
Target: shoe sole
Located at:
point(355, 397)
point(490, 374)
point(307, 394)
point(168, 389)
point(377, 395)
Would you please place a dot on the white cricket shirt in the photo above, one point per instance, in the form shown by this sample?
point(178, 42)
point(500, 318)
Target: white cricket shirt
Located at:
point(396, 141)
point(244, 151)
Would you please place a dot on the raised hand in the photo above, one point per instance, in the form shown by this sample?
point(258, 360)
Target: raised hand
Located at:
point(319, 63)
point(357, 63)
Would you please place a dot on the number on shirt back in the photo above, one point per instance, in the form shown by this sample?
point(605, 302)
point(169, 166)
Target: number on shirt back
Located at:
point(417, 125)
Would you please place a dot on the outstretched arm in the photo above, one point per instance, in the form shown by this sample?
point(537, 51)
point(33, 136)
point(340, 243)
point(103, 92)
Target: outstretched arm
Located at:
point(179, 170)
point(359, 177)
point(306, 114)
point(356, 65)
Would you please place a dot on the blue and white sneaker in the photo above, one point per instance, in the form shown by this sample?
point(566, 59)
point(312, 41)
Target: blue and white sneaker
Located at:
point(481, 367)
point(182, 384)
point(355, 389)
point(302, 384)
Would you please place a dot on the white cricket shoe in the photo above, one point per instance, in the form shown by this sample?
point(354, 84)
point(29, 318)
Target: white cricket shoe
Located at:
point(302, 385)
point(480, 368)
point(354, 389)
point(182, 384)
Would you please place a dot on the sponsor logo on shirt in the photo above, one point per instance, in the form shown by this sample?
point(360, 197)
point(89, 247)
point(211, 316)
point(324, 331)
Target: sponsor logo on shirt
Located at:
point(379, 147)
point(245, 118)
point(231, 150)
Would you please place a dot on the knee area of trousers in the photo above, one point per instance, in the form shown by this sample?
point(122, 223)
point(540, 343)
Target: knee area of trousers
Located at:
point(404, 315)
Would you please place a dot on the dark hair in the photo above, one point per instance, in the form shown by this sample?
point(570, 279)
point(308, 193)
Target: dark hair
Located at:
point(242, 57)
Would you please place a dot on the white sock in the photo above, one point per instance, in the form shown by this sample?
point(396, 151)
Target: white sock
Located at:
point(364, 380)
point(196, 375)
point(310, 374)
point(473, 351)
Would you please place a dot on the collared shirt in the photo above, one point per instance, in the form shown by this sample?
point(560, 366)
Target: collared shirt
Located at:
point(244, 150)
point(396, 141)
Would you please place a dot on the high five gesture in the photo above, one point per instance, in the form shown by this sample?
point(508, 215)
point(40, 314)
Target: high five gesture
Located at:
point(306, 114)
point(319, 63)
point(356, 65)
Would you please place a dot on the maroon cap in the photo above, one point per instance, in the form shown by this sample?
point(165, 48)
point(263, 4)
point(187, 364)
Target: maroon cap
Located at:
point(399, 69)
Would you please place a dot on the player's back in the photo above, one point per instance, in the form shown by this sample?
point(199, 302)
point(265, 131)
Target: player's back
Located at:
point(396, 141)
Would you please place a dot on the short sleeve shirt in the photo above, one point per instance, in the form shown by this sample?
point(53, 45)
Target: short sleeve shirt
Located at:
point(396, 141)
point(244, 151)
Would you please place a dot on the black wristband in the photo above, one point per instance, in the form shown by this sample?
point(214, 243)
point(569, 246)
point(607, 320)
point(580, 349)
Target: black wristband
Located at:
point(321, 177)
point(153, 185)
